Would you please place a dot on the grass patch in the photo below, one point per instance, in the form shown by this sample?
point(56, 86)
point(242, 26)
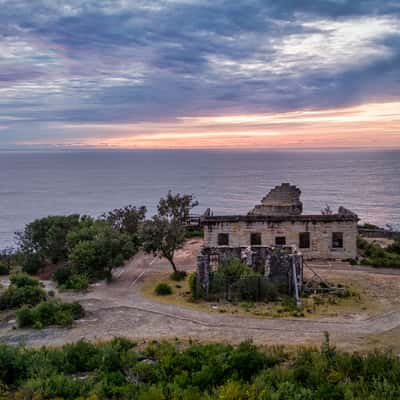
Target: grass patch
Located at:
point(314, 305)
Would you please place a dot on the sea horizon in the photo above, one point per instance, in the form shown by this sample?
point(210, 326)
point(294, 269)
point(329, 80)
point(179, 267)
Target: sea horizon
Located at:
point(93, 181)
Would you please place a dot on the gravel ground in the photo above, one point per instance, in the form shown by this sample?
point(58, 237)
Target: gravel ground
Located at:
point(119, 309)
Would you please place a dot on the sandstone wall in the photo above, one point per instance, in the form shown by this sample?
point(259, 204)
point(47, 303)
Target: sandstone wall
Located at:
point(320, 236)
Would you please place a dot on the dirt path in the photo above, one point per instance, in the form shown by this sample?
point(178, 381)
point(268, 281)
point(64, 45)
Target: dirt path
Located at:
point(119, 309)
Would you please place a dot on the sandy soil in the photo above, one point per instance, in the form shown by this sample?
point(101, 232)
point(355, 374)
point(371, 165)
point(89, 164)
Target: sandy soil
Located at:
point(120, 309)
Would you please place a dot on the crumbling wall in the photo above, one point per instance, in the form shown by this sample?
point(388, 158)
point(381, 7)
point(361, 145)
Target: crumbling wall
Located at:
point(273, 264)
point(281, 200)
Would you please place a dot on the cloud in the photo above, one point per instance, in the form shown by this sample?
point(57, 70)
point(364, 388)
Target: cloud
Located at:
point(369, 125)
point(132, 61)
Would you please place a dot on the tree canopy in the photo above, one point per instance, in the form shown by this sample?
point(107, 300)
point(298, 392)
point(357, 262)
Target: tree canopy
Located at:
point(166, 232)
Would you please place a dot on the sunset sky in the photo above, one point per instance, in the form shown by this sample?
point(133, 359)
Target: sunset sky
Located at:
point(199, 73)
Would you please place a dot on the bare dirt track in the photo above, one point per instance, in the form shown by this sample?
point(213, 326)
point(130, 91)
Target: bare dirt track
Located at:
point(119, 309)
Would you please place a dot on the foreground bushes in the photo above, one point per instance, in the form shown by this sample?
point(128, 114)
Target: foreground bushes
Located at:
point(116, 370)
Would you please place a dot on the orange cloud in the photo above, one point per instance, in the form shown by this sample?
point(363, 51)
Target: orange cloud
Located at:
point(367, 125)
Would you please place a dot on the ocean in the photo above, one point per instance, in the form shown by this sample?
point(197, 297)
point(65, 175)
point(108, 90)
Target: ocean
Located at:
point(40, 183)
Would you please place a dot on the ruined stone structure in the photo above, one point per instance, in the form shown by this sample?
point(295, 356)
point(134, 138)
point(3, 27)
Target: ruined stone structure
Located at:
point(281, 200)
point(278, 221)
point(281, 266)
point(275, 237)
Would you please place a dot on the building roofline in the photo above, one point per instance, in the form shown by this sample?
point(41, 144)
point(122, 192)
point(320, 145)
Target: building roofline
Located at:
point(213, 219)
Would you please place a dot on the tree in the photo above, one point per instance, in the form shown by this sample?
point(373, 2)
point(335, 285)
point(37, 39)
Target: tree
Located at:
point(46, 238)
point(99, 250)
point(7, 256)
point(127, 219)
point(165, 232)
point(327, 210)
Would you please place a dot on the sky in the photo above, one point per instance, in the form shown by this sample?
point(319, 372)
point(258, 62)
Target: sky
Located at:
point(200, 74)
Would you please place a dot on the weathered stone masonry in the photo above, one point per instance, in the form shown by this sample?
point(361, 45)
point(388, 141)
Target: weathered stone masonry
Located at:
point(275, 237)
point(320, 229)
point(278, 221)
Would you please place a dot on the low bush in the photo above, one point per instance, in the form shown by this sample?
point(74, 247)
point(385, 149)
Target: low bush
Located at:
point(235, 269)
point(194, 233)
point(269, 291)
point(24, 280)
point(394, 247)
point(289, 304)
point(49, 313)
point(193, 285)
point(178, 276)
point(62, 274)
point(69, 279)
point(31, 263)
point(77, 282)
point(377, 256)
point(163, 289)
point(23, 290)
point(4, 269)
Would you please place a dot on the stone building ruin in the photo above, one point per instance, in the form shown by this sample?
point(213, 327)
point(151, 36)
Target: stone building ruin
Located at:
point(275, 236)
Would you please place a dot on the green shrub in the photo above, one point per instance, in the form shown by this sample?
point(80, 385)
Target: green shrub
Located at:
point(49, 313)
point(178, 276)
point(269, 291)
point(114, 370)
point(377, 256)
point(194, 233)
point(235, 269)
point(289, 304)
point(23, 290)
point(163, 289)
point(67, 278)
point(362, 244)
point(24, 280)
point(81, 356)
point(31, 263)
point(4, 269)
point(62, 274)
point(193, 285)
point(77, 282)
point(25, 317)
point(394, 247)
point(57, 386)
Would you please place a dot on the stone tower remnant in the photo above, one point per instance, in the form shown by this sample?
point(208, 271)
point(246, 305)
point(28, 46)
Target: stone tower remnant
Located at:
point(281, 200)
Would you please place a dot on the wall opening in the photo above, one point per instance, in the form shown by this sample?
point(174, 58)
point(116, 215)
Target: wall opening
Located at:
point(280, 241)
point(223, 239)
point(255, 239)
point(304, 240)
point(337, 240)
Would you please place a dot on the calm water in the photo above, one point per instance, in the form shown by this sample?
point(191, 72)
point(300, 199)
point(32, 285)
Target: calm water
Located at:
point(37, 184)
